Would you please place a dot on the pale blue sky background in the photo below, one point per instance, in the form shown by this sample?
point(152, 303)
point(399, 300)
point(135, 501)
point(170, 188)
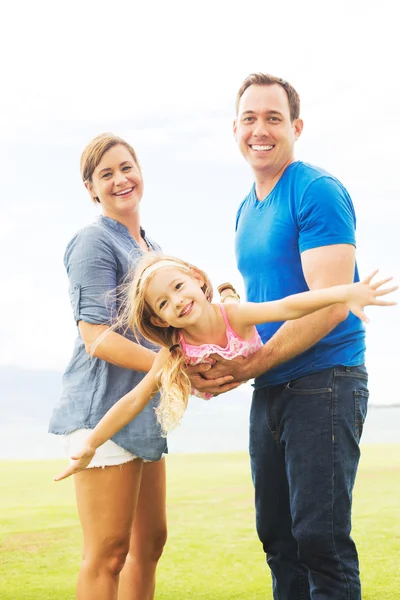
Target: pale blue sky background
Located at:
point(164, 75)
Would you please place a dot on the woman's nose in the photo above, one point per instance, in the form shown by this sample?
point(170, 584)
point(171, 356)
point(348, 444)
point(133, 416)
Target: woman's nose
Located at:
point(120, 178)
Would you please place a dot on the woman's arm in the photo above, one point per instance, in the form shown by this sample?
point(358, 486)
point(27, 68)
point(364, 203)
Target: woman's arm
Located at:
point(355, 296)
point(123, 411)
point(115, 348)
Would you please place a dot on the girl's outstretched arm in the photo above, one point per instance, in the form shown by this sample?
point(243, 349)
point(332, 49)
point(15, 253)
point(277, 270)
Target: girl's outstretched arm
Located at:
point(355, 296)
point(123, 411)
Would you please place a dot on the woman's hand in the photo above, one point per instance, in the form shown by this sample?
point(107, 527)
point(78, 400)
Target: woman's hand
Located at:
point(80, 462)
point(366, 293)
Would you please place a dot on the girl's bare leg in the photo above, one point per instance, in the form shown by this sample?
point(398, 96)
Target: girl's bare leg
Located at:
point(106, 500)
point(149, 534)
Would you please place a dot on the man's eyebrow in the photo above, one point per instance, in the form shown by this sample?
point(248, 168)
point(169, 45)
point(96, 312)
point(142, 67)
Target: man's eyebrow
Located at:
point(268, 112)
point(126, 162)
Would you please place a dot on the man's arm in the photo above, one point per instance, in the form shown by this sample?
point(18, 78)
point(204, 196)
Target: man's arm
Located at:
point(322, 267)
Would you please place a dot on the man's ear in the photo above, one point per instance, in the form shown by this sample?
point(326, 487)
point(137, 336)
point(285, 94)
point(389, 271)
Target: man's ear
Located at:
point(158, 322)
point(298, 128)
point(235, 128)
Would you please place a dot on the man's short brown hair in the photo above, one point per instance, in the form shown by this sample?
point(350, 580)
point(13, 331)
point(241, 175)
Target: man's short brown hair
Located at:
point(265, 79)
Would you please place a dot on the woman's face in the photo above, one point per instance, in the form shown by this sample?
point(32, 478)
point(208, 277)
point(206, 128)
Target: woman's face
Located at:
point(117, 183)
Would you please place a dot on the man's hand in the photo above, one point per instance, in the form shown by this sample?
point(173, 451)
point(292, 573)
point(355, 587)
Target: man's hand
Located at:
point(224, 375)
point(213, 384)
point(235, 367)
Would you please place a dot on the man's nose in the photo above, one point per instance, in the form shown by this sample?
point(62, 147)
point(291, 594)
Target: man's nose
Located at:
point(260, 129)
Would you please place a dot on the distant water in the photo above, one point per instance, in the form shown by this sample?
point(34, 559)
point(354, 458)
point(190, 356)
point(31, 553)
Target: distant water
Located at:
point(220, 425)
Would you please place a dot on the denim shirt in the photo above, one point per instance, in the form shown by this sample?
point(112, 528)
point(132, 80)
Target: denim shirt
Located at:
point(98, 259)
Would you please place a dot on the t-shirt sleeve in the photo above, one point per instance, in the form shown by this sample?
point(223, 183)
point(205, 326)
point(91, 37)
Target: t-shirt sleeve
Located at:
point(326, 215)
point(92, 272)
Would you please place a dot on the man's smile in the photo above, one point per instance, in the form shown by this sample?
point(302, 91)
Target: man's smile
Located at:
point(259, 148)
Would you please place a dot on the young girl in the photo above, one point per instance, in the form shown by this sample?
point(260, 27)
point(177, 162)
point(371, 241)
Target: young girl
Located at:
point(169, 303)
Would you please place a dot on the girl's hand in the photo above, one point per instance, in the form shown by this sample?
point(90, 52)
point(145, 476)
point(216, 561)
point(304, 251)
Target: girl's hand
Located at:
point(80, 462)
point(367, 293)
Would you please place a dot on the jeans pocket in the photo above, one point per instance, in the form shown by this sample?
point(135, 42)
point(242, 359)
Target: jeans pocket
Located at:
point(360, 411)
point(308, 386)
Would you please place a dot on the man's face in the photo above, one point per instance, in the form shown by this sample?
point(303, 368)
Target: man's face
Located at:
point(263, 129)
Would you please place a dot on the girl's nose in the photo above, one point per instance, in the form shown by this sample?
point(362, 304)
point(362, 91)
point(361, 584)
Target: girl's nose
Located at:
point(178, 300)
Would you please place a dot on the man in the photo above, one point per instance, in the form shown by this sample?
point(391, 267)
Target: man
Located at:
point(296, 231)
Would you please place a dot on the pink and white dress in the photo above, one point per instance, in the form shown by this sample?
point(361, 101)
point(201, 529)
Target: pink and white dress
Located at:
point(236, 346)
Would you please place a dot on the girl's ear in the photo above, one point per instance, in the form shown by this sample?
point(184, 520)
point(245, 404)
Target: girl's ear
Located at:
point(157, 322)
point(198, 277)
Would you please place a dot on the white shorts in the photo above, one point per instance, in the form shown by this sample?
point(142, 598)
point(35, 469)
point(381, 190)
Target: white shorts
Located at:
point(108, 454)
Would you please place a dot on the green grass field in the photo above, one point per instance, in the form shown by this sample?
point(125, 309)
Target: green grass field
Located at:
point(212, 551)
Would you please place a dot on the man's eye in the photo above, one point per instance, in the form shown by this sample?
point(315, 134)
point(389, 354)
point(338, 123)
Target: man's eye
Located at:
point(248, 119)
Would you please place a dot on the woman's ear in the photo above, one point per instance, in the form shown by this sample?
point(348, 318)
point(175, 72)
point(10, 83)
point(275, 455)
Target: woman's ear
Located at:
point(157, 322)
point(89, 187)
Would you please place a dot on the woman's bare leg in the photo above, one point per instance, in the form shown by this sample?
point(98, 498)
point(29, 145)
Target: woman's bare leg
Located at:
point(106, 500)
point(149, 533)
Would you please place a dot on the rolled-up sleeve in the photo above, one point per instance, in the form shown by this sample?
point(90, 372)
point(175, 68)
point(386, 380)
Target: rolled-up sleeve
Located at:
point(91, 266)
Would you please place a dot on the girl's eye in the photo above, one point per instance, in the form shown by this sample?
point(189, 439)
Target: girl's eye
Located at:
point(162, 304)
point(178, 286)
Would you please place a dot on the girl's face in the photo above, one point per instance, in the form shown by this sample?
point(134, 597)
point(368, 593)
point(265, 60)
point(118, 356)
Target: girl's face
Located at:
point(117, 183)
point(176, 297)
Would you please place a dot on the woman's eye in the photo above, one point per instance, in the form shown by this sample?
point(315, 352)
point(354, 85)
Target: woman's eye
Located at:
point(106, 175)
point(127, 168)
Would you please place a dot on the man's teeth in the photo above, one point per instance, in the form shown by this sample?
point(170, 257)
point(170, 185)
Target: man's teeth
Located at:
point(124, 192)
point(259, 148)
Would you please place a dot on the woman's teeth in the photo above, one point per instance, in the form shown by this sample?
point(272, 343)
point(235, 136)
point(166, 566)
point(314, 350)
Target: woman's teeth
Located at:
point(124, 192)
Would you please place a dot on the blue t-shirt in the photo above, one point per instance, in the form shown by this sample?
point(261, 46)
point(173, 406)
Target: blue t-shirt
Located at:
point(98, 260)
point(307, 208)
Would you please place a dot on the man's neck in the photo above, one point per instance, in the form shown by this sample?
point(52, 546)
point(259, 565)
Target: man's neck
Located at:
point(266, 181)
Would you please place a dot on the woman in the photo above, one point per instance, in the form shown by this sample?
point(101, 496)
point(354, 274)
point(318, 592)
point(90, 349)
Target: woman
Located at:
point(121, 505)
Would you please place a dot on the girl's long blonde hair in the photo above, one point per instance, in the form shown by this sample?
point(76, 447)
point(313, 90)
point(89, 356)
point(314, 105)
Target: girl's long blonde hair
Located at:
point(136, 315)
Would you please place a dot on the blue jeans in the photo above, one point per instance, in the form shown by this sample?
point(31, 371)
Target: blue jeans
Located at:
point(304, 450)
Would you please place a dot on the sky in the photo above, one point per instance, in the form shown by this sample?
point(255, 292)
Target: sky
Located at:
point(164, 75)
